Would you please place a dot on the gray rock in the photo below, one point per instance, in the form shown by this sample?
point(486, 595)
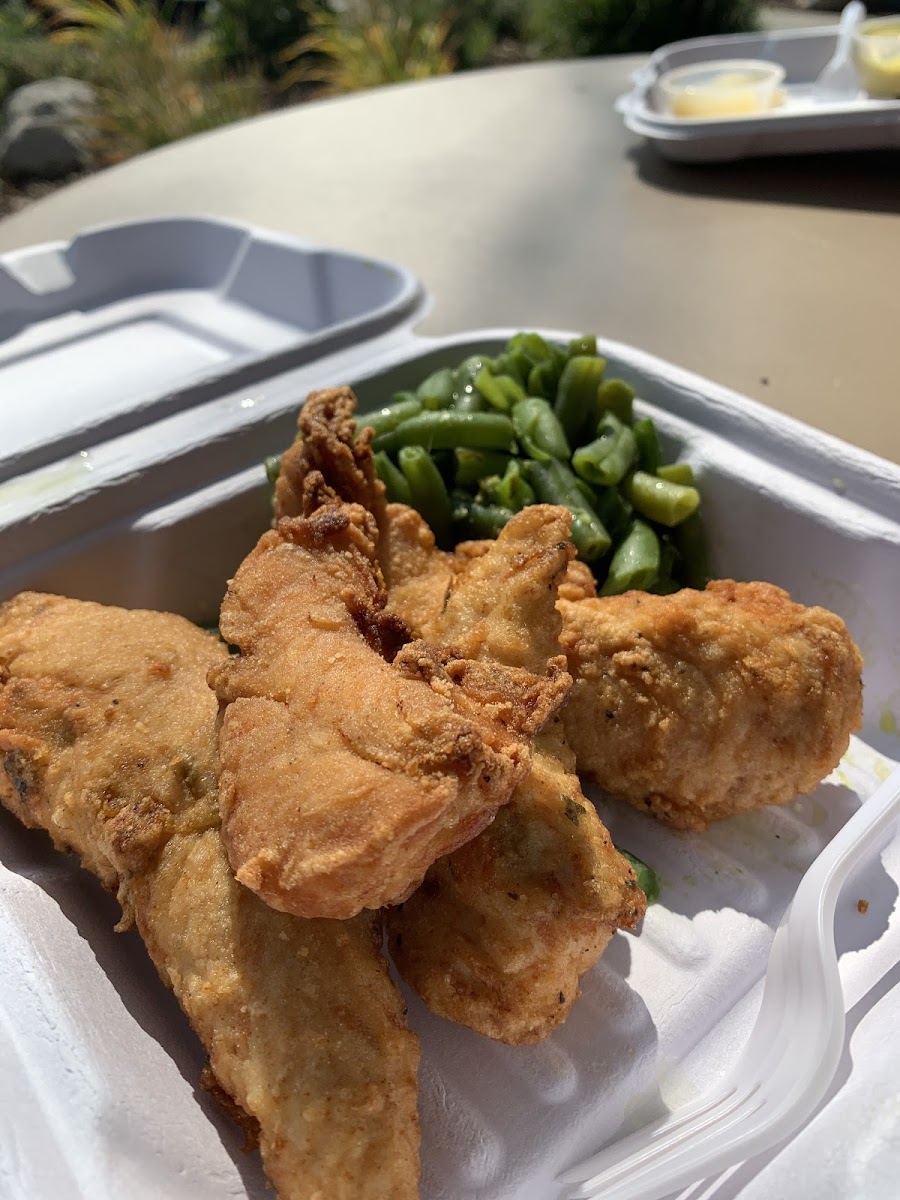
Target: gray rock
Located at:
point(44, 134)
point(61, 99)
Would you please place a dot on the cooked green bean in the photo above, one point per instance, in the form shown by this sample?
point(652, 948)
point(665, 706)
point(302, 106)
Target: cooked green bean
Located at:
point(466, 397)
point(583, 347)
point(689, 540)
point(478, 520)
point(396, 485)
point(635, 563)
point(273, 468)
point(531, 345)
point(544, 377)
point(470, 368)
point(554, 483)
point(469, 400)
point(677, 473)
point(539, 432)
point(474, 465)
point(606, 460)
point(588, 492)
point(665, 583)
point(515, 364)
point(616, 396)
point(664, 502)
point(646, 876)
point(500, 391)
point(501, 432)
point(649, 448)
point(383, 420)
point(576, 396)
point(427, 490)
point(448, 429)
point(512, 490)
point(613, 510)
point(437, 390)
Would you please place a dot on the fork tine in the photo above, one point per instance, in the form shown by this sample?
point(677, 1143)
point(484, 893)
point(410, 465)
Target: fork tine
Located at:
point(693, 1142)
point(682, 1121)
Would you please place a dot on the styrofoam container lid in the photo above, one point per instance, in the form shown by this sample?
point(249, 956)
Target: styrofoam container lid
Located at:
point(131, 321)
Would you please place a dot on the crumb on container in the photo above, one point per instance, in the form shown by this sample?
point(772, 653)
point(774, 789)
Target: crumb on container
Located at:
point(862, 906)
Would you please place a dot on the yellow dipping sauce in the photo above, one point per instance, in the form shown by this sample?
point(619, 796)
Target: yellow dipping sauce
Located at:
point(730, 94)
point(876, 52)
point(729, 88)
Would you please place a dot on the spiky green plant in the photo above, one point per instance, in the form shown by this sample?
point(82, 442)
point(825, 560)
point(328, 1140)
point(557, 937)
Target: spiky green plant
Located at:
point(156, 83)
point(369, 43)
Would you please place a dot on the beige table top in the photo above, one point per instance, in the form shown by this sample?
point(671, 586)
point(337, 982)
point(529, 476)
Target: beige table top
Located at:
point(519, 199)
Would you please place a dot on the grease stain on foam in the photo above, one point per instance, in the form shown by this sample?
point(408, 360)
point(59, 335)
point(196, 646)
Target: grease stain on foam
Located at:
point(60, 477)
point(887, 723)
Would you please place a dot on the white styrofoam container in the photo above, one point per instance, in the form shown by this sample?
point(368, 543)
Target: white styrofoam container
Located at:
point(802, 126)
point(98, 1069)
point(132, 320)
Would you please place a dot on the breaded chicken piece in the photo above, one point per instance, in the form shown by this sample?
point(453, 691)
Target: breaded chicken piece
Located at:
point(347, 768)
point(699, 705)
point(107, 741)
point(327, 443)
point(500, 932)
point(417, 575)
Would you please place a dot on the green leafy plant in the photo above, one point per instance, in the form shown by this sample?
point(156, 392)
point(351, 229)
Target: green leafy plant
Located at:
point(155, 83)
point(370, 43)
point(580, 27)
point(479, 27)
point(255, 33)
point(26, 52)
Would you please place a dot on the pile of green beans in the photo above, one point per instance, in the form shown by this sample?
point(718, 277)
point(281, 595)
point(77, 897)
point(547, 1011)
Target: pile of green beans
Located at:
point(539, 423)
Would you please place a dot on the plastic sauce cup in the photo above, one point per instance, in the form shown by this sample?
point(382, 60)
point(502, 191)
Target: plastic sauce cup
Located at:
point(876, 53)
point(732, 87)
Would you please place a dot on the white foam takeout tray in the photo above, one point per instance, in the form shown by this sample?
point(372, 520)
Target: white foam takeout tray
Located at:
point(802, 125)
point(99, 1069)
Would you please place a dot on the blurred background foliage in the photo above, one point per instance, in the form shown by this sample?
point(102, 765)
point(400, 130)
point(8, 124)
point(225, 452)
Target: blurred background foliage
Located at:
point(163, 69)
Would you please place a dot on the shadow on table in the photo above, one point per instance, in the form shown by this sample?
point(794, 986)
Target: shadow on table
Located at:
point(867, 181)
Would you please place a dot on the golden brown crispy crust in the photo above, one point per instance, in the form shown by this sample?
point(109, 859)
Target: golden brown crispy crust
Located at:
point(345, 776)
point(576, 584)
point(699, 705)
point(107, 741)
point(500, 932)
point(417, 574)
point(327, 444)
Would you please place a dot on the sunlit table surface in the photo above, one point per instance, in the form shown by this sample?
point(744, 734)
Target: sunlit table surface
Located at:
point(518, 198)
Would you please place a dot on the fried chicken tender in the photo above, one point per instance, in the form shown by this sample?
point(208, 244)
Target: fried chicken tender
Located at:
point(327, 444)
point(418, 576)
point(500, 932)
point(107, 741)
point(344, 775)
point(699, 705)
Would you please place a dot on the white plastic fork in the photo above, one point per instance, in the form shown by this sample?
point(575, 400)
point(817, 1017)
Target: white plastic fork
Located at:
point(791, 1055)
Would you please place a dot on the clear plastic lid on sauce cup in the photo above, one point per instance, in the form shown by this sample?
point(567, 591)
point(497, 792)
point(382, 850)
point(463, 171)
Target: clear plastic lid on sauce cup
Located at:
point(724, 88)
